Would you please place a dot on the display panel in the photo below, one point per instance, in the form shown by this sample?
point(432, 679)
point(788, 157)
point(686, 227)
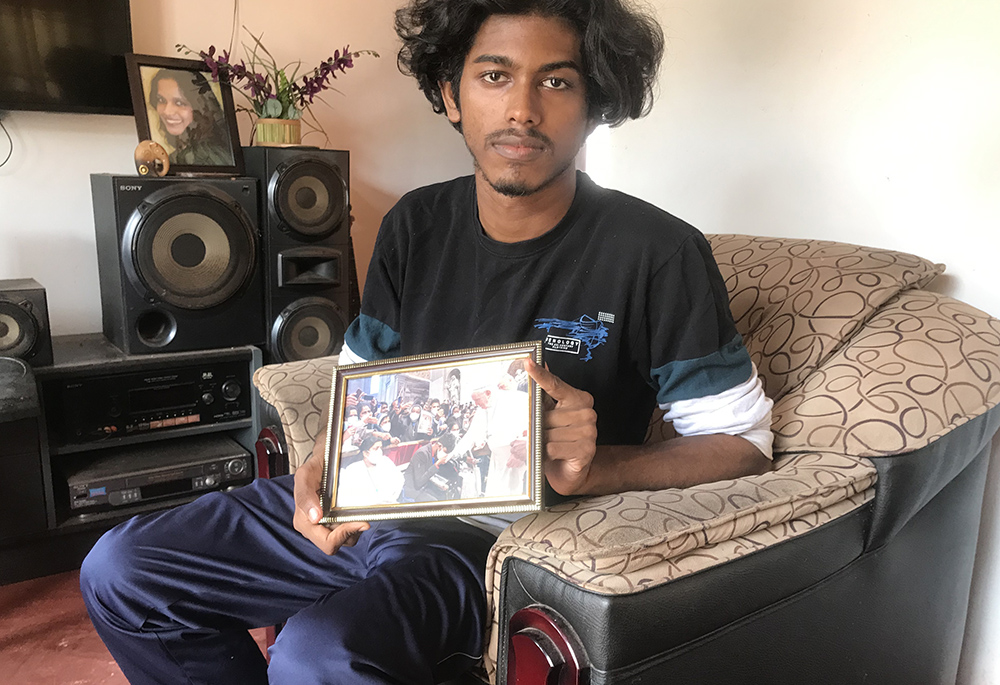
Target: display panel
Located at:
point(65, 55)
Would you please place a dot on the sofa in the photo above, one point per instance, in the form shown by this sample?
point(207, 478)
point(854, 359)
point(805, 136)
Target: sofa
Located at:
point(849, 562)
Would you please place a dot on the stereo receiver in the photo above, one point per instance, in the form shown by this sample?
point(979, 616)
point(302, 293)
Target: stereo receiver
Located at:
point(132, 399)
point(137, 474)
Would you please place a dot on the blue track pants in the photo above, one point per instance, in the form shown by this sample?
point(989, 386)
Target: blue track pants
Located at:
point(172, 594)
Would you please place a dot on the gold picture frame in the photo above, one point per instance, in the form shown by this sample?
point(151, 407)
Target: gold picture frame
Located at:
point(489, 465)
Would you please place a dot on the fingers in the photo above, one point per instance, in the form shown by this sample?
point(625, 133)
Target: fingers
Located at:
point(307, 482)
point(308, 512)
point(563, 393)
point(561, 418)
point(345, 535)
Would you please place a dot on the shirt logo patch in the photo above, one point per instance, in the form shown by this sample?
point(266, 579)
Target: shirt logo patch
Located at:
point(605, 317)
point(556, 343)
point(586, 331)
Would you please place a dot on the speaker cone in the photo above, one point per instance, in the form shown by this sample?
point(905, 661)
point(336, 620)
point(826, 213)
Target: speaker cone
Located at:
point(190, 245)
point(308, 328)
point(18, 331)
point(309, 196)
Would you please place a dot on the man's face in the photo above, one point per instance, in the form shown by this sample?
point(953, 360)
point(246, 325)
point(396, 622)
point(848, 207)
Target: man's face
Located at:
point(523, 102)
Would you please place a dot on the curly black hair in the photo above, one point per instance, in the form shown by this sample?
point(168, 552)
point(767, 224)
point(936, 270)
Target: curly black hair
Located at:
point(622, 47)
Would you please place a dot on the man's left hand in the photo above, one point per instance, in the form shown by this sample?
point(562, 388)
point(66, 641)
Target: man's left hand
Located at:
point(570, 438)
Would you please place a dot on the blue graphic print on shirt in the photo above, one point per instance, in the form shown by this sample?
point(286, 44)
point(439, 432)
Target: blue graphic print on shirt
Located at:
point(590, 332)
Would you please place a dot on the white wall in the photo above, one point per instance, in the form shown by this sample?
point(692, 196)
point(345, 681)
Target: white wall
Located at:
point(872, 121)
point(868, 121)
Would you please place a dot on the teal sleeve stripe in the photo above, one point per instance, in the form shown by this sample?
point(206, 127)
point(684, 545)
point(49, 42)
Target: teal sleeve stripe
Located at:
point(371, 339)
point(689, 379)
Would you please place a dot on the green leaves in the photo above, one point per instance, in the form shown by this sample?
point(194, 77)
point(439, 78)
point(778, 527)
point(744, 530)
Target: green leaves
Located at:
point(272, 109)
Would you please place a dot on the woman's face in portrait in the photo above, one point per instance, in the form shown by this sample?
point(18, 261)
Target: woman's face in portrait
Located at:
point(174, 109)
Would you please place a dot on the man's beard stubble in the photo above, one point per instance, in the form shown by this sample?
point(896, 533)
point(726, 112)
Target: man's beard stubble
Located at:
point(517, 187)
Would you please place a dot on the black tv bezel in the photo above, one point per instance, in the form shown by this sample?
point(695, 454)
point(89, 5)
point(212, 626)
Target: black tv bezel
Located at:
point(61, 107)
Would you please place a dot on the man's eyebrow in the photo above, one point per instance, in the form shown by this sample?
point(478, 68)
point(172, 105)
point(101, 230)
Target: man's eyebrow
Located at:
point(564, 64)
point(495, 59)
point(507, 62)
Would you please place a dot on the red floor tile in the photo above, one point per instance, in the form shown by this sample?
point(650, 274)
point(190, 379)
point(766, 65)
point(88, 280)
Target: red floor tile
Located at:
point(47, 638)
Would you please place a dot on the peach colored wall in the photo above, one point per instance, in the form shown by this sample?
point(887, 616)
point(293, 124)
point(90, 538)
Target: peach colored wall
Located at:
point(397, 143)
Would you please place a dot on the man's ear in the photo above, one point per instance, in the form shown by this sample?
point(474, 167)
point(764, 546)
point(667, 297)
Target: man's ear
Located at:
point(450, 103)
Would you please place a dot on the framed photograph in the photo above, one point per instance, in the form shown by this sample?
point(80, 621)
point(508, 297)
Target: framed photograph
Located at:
point(447, 434)
point(179, 106)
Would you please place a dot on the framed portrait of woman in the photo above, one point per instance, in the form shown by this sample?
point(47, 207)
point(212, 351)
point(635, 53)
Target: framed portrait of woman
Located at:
point(178, 105)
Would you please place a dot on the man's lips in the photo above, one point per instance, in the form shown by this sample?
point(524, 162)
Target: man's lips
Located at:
point(518, 147)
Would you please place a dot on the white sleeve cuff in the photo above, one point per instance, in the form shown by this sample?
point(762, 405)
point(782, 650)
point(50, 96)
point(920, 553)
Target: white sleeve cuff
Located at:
point(743, 410)
point(347, 356)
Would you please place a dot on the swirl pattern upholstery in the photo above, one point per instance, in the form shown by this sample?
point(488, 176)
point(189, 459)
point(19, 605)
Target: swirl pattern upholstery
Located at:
point(861, 365)
point(922, 366)
point(795, 302)
point(299, 392)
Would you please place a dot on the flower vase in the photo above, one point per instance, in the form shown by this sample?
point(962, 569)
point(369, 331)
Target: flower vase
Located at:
point(278, 132)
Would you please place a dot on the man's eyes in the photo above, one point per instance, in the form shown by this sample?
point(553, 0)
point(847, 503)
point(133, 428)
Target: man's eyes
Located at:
point(556, 83)
point(552, 82)
point(494, 76)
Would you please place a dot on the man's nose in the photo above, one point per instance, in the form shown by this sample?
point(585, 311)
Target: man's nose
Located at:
point(523, 104)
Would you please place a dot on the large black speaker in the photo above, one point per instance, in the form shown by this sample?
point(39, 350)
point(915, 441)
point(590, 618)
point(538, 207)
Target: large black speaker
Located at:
point(179, 262)
point(305, 224)
point(22, 500)
point(24, 321)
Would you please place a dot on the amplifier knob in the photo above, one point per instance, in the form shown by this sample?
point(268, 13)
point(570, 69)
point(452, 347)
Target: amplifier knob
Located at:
point(231, 390)
point(207, 398)
point(236, 467)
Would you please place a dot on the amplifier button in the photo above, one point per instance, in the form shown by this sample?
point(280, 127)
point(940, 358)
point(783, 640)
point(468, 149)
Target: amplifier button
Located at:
point(231, 390)
point(210, 481)
point(235, 467)
point(207, 398)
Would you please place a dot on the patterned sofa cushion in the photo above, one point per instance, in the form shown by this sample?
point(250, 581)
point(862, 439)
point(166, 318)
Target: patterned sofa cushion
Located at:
point(796, 301)
point(924, 365)
point(299, 392)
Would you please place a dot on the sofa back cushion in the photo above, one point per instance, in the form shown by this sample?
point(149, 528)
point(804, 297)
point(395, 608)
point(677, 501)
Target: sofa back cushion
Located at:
point(795, 302)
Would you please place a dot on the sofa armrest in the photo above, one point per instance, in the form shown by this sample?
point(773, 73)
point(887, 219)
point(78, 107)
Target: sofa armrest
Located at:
point(625, 543)
point(300, 393)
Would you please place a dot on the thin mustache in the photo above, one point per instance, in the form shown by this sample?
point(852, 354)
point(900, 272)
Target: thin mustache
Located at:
point(527, 133)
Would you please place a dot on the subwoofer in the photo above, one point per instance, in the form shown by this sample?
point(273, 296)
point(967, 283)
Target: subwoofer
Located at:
point(307, 257)
point(24, 321)
point(179, 262)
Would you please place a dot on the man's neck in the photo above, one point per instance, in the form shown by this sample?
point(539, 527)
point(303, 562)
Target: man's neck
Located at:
point(515, 219)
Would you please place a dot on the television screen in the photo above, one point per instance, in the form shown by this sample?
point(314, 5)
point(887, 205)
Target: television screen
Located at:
point(65, 55)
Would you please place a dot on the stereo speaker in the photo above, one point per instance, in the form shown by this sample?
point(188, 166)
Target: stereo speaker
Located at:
point(22, 500)
point(24, 322)
point(307, 256)
point(179, 262)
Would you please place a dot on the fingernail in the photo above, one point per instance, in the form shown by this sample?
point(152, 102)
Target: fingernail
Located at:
point(314, 514)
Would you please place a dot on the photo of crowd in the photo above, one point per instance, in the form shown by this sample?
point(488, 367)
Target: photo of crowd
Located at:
point(455, 432)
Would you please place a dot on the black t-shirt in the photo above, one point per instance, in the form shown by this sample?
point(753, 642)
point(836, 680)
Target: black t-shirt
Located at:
point(627, 298)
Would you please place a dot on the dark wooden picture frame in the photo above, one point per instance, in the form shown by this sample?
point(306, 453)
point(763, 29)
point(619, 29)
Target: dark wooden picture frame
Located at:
point(179, 106)
point(501, 473)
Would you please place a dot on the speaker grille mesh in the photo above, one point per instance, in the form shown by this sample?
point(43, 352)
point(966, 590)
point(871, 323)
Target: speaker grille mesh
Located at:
point(18, 331)
point(310, 197)
point(193, 252)
point(307, 329)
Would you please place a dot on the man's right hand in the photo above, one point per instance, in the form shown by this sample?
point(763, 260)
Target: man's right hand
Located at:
point(308, 511)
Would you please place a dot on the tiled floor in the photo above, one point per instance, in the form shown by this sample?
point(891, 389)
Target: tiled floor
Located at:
point(46, 637)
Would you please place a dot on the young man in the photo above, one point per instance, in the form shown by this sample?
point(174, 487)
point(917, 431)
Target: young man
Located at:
point(627, 298)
